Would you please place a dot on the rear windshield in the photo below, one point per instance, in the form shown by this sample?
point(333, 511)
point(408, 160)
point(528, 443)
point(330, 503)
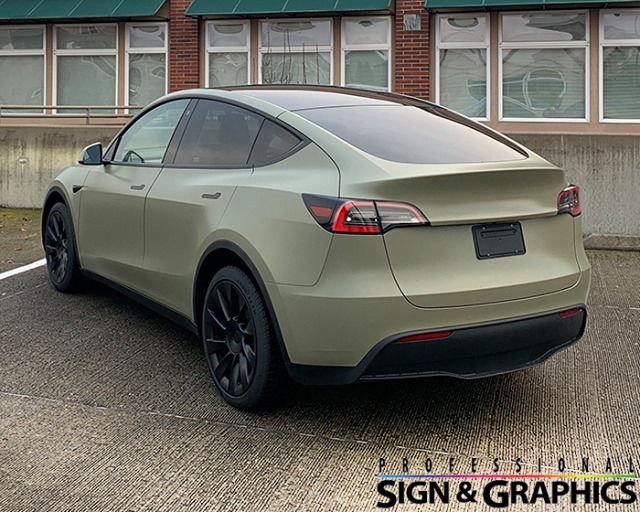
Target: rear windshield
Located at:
point(414, 135)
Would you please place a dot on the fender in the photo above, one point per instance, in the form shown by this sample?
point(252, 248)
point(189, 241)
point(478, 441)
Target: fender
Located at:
point(65, 196)
point(258, 280)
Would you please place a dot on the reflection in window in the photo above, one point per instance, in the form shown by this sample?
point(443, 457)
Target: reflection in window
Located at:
point(147, 61)
point(544, 65)
point(621, 65)
point(272, 142)
point(543, 83)
point(463, 42)
point(86, 65)
point(296, 52)
point(22, 67)
point(218, 135)
point(146, 141)
point(366, 53)
point(227, 53)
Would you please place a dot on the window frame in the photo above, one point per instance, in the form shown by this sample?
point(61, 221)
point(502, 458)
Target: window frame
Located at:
point(297, 49)
point(345, 47)
point(537, 45)
point(466, 46)
point(208, 49)
point(606, 43)
point(83, 52)
point(128, 51)
point(30, 53)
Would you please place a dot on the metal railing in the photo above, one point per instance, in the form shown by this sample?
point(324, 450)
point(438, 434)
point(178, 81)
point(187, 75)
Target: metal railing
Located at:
point(86, 112)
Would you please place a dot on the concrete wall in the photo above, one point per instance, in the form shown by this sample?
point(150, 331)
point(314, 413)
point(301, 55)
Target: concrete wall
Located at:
point(31, 157)
point(607, 168)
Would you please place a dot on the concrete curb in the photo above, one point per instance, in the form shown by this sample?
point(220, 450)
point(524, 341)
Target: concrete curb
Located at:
point(612, 242)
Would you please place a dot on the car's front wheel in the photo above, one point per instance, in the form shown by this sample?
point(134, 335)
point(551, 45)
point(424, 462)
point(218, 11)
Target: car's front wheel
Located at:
point(60, 249)
point(239, 343)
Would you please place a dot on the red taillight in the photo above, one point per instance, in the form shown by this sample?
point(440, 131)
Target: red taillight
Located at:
point(425, 336)
point(361, 217)
point(570, 312)
point(569, 201)
point(356, 217)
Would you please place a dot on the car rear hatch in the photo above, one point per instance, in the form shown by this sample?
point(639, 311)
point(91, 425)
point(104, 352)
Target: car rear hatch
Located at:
point(494, 234)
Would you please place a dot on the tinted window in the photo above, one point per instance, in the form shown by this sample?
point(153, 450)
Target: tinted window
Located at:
point(273, 142)
point(218, 135)
point(147, 139)
point(414, 135)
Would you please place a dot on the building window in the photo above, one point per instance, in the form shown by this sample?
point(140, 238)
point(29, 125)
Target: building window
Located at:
point(296, 52)
point(544, 66)
point(620, 65)
point(227, 60)
point(366, 50)
point(85, 65)
point(146, 63)
point(22, 64)
point(463, 63)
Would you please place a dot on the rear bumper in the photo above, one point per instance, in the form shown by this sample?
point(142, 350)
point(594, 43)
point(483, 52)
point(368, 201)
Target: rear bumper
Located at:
point(469, 352)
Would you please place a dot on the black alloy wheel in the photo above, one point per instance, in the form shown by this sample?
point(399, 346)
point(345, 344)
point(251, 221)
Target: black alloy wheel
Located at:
point(60, 249)
point(238, 340)
point(56, 245)
point(230, 338)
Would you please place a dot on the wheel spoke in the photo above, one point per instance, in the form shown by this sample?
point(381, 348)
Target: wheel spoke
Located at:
point(248, 328)
point(249, 353)
point(63, 264)
point(216, 318)
point(233, 376)
point(221, 369)
point(214, 345)
point(223, 305)
point(244, 371)
point(51, 233)
point(49, 249)
point(56, 225)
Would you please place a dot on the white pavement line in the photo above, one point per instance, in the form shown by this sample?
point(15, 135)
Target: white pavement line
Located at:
point(20, 270)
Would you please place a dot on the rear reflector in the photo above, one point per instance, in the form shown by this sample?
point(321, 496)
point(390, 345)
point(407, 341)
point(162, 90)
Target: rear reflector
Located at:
point(425, 336)
point(570, 312)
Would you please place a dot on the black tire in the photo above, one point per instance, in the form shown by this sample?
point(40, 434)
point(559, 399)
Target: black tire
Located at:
point(238, 340)
point(60, 249)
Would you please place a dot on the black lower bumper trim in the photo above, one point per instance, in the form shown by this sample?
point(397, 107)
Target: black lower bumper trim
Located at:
point(469, 352)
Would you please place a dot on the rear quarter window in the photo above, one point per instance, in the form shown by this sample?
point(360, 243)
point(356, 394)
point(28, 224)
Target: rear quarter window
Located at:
point(273, 142)
point(414, 135)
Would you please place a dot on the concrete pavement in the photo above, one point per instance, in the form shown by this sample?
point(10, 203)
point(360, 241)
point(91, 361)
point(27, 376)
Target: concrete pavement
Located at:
point(105, 406)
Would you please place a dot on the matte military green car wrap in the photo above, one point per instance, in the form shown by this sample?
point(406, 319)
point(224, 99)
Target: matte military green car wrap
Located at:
point(336, 299)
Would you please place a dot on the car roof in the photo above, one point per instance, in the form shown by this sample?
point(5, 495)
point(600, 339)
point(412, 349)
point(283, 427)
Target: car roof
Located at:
point(306, 97)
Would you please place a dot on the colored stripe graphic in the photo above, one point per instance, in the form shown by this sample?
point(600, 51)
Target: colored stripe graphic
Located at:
point(511, 476)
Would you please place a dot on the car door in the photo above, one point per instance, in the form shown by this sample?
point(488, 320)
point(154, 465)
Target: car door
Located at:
point(111, 227)
point(187, 201)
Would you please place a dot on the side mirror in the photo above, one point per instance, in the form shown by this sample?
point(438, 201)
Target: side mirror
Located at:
point(91, 155)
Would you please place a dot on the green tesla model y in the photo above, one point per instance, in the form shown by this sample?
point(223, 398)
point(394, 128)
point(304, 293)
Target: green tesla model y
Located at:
point(328, 234)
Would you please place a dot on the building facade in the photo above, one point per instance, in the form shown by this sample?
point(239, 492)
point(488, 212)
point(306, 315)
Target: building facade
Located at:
point(562, 77)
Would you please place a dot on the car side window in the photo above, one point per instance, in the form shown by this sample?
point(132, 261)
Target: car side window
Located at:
point(146, 141)
point(218, 135)
point(273, 142)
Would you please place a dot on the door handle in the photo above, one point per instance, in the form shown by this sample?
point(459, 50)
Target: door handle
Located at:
point(137, 187)
point(211, 196)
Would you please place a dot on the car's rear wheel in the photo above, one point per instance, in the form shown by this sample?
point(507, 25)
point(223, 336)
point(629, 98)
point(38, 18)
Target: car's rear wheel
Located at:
point(239, 343)
point(60, 249)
